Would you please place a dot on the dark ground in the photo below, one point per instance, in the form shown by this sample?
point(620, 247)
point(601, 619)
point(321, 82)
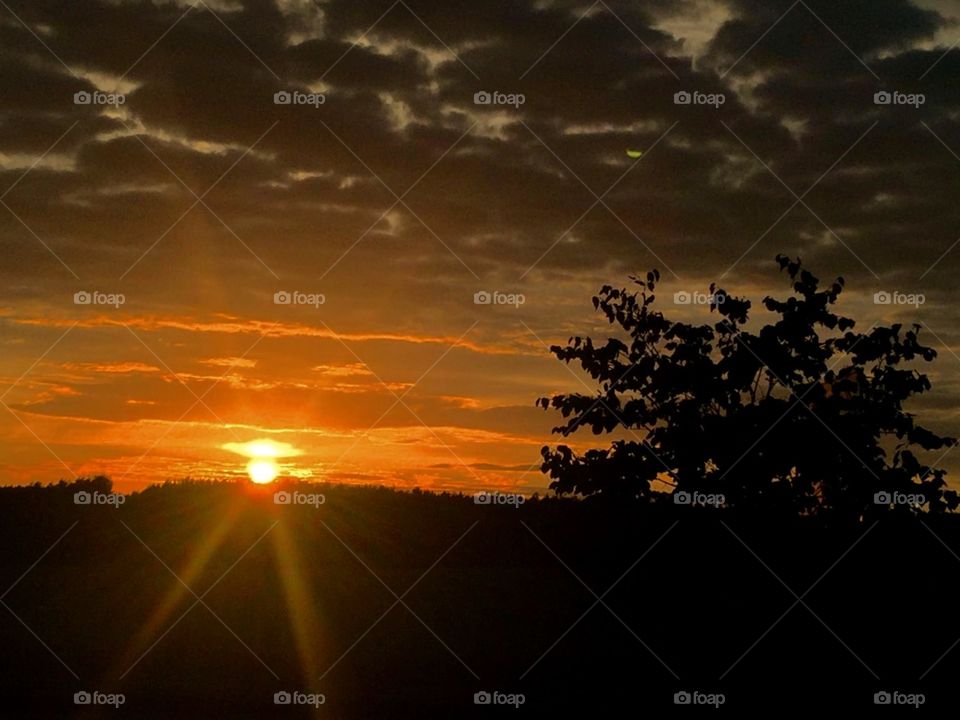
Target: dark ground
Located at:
point(699, 600)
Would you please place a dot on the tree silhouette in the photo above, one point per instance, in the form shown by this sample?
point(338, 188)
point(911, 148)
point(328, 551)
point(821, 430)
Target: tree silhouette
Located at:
point(805, 415)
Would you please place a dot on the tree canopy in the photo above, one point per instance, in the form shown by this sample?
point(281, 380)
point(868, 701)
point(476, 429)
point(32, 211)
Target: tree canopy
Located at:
point(806, 414)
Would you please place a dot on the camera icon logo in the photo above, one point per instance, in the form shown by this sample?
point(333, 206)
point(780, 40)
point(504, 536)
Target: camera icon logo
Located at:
point(882, 698)
point(882, 97)
point(682, 97)
point(82, 297)
point(682, 297)
point(282, 97)
point(482, 297)
point(482, 498)
point(82, 97)
point(482, 97)
point(682, 698)
point(282, 497)
point(482, 698)
point(882, 298)
point(882, 498)
point(82, 698)
point(282, 297)
point(82, 497)
point(682, 497)
point(282, 697)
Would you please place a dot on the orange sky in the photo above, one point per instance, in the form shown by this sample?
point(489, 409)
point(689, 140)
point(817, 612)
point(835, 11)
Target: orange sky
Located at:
point(148, 399)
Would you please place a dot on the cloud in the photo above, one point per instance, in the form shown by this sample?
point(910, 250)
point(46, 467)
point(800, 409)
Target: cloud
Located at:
point(263, 448)
point(230, 362)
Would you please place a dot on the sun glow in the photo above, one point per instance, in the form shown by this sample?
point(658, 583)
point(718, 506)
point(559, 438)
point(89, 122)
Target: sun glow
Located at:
point(263, 448)
point(263, 467)
point(262, 470)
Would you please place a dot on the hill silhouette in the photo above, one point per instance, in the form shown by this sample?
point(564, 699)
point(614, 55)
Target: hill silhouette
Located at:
point(579, 606)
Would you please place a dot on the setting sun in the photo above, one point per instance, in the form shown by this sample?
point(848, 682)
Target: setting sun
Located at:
point(262, 470)
point(263, 467)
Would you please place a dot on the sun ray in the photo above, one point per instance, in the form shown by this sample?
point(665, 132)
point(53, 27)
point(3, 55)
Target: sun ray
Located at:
point(305, 625)
point(177, 595)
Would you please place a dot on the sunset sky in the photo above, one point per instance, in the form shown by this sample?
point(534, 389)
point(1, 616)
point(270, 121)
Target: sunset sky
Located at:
point(399, 197)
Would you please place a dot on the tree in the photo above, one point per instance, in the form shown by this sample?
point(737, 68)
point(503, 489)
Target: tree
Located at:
point(806, 415)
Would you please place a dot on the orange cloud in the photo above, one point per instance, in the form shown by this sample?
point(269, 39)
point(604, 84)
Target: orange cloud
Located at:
point(117, 368)
point(343, 370)
point(233, 325)
point(230, 362)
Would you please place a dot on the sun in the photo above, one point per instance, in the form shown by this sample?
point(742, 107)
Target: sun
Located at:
point(262, 470)
point(263, 453)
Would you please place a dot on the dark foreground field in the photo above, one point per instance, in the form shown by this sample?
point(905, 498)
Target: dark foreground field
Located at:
point(776, 615)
